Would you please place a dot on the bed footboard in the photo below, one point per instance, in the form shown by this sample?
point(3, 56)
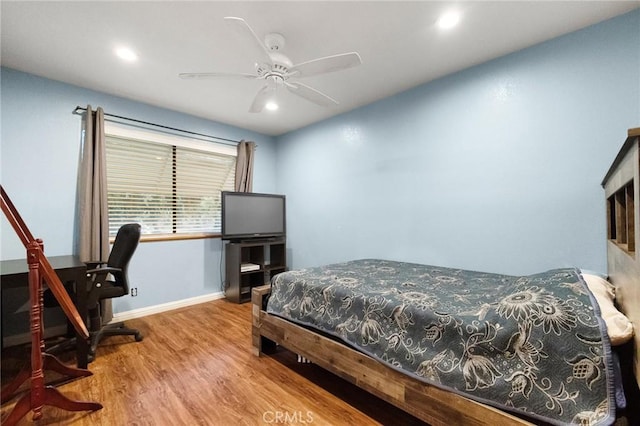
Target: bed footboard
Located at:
point(428, 403)
point(260, 344)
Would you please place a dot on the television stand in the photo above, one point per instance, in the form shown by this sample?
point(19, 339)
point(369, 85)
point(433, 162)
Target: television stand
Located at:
point(252, 263)
point(259, 240)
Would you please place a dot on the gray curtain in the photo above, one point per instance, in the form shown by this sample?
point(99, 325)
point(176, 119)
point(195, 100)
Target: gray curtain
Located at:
point(93, 223)
point(244, 166)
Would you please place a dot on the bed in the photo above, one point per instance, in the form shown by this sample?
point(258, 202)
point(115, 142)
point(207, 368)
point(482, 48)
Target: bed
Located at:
point(462, 347)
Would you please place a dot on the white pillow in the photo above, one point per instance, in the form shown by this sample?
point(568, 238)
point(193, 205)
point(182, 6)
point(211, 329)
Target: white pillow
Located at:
point(619, 327)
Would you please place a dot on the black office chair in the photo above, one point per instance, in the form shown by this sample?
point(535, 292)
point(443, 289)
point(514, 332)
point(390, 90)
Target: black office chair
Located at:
point(106, 281)
point(111, 280)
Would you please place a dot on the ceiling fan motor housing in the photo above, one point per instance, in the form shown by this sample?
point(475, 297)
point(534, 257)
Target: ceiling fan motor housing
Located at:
point(274, 41)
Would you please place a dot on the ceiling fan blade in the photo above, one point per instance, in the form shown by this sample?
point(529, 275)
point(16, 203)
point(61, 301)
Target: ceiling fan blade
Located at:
point(326, 64)
point(242, 25)
point(264, 95)
point(206, 75)
point(310, 94)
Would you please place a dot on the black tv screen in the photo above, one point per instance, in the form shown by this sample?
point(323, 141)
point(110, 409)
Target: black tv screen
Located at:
point(250, 215)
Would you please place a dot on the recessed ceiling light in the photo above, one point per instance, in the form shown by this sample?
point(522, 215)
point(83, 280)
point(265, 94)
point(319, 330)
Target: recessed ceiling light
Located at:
point(271, 106)
point(448, 20)
point(126, 54)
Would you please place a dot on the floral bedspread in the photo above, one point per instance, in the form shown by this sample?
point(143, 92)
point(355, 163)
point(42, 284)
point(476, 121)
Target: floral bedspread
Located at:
point(529, 344)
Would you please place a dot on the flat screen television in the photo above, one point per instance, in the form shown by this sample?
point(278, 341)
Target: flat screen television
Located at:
point(247, 215)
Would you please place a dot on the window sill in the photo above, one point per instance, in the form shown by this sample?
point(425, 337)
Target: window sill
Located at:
point(173, 237)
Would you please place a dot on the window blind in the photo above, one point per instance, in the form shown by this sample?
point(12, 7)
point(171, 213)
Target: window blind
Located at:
point(168, 189)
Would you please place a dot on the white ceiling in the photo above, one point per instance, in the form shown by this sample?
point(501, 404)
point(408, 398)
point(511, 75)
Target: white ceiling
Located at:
point(398, 41)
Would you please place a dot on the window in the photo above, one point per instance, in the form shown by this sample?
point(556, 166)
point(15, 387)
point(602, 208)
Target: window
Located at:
point(168, 184)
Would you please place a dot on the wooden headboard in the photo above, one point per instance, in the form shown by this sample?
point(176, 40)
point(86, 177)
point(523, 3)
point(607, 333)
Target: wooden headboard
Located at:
point(622, 192)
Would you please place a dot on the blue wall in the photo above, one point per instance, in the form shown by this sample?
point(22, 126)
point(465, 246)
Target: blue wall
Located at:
point(39, 157)
point(496, 168)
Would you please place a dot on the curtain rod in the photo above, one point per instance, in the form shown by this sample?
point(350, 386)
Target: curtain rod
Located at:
point(79, 110)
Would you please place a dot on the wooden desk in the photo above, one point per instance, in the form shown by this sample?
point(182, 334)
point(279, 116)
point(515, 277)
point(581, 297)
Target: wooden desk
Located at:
point(68, 268)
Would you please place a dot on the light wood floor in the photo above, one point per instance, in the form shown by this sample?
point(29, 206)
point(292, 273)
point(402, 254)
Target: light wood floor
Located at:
point(195, 367)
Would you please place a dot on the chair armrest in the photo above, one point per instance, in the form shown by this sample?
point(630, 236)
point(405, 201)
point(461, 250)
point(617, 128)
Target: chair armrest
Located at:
point(96, 279)
point(104, 269)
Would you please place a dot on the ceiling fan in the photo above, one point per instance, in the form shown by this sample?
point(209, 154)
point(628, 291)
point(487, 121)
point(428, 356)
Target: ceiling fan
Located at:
point(278, 71)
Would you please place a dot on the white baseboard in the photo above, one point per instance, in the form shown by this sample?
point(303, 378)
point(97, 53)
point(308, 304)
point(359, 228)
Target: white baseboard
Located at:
point(164, 307)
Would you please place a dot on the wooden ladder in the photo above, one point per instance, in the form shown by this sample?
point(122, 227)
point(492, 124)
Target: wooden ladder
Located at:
point(40, 269)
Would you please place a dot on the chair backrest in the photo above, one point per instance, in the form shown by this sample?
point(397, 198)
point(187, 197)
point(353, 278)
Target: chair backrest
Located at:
point(122, 251)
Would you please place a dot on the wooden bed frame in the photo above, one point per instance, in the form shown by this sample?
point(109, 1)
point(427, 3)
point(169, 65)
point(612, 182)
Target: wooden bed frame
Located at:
point(430, 403)
point(426, 402)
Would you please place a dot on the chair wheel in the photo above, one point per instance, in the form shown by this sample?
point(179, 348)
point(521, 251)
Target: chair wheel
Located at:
point(138, 337)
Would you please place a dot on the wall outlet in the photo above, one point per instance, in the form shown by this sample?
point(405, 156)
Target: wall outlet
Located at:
point(134, 291)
